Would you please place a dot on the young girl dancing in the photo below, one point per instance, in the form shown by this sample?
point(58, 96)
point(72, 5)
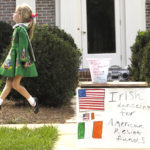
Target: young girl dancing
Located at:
point(20, 60)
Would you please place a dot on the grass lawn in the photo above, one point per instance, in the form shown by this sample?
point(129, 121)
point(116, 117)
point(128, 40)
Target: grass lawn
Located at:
point(42, 138)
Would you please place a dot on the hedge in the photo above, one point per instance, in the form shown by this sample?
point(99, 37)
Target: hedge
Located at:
point(58, 60)
point(140, 64)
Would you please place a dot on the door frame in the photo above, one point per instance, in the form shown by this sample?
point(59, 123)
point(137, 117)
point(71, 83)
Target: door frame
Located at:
point(81, 33)
point(116, 57)
point(126, 27)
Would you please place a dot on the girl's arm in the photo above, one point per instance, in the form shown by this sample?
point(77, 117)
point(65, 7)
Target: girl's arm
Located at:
point(23, 46)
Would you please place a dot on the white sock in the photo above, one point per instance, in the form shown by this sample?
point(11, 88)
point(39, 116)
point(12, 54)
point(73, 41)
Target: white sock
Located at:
point(1, 101)
point(31, 101)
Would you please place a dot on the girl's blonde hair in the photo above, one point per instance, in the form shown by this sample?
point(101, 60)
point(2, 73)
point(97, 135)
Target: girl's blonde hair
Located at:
point(26, 14)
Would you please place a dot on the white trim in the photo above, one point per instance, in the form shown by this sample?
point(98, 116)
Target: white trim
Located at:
point(135, 21)
point(84, 38)
point(68, 18)
point(143, 14)
point(57, 12)
point(78, 24)
point(123, 53)
point(116, 59)
point(31, 3)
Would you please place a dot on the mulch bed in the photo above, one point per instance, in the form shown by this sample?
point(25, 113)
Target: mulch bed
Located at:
point(17, 113)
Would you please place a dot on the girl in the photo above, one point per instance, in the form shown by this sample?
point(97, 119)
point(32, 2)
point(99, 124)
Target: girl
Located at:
point(20, 60)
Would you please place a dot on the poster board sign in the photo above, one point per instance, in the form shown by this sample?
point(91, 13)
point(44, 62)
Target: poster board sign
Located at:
point(113, 118)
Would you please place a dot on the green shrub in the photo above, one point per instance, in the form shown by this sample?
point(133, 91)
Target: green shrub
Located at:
point(145, 67)
point(138, 52)
point(58, 60)
point(140, 60)
point(5, 36)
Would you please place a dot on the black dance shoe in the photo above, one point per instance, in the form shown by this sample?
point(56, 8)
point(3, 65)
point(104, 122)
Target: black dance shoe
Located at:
point(36, 107)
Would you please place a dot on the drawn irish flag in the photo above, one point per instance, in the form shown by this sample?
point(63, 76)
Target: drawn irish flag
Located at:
point(88, 130)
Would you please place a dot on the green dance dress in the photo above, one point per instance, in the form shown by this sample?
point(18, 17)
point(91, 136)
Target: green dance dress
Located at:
point(19, 54)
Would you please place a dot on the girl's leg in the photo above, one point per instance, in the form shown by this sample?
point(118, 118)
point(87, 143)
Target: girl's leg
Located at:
point(19, 88)
point(6, 90)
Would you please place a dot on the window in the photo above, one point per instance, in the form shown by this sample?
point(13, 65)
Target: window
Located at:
point(101, 26)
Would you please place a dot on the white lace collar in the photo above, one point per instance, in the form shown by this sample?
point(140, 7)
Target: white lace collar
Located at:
point(18, 24)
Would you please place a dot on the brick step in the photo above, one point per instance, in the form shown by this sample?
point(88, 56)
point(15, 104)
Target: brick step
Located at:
point(84, 75)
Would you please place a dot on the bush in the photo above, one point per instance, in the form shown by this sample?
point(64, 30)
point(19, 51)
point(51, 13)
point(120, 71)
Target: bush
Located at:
point(145, 67)
point(140, 65)
point(5, 36)
point(58, 60)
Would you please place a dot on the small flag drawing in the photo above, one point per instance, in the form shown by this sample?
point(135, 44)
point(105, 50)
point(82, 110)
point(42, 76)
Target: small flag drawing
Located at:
point(85, 116)
point(81, 130)
point(91, 99)
point(89, 130)
point(92, 116)
point(97, 129)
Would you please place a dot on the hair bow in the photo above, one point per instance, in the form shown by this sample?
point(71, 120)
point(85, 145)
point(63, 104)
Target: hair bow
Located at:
point(34, 15)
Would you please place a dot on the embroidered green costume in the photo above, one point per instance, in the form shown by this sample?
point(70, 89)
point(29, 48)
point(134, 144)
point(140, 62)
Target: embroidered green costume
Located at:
point(18, 55)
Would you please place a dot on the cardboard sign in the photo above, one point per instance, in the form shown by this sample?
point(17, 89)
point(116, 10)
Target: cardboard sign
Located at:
point(123, 123)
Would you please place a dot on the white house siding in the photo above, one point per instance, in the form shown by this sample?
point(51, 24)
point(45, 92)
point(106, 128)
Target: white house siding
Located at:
point(68, 18)
point(134, 22)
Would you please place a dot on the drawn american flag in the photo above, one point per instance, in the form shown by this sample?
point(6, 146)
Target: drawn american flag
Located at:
point(85, 116)
point(91, 99)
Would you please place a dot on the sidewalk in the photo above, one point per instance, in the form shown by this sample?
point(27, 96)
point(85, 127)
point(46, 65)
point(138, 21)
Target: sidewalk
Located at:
point(68, 132)
point(67, 138)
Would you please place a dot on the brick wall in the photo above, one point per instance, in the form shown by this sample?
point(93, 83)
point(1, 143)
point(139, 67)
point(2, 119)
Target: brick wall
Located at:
point(7, 8)
point(148, 14)
point(84, 75)
point(46, 11)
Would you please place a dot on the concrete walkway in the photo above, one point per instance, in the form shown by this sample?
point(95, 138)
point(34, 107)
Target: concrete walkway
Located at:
point(68, 131)
point(67, 138)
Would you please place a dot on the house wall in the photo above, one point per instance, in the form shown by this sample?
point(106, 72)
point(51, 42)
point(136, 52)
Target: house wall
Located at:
point(147, 14)
point(7, 8)
point(45, 9)
point(46, 12)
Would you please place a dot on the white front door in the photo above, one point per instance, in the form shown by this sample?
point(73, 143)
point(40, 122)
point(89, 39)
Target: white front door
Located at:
point(101, 30)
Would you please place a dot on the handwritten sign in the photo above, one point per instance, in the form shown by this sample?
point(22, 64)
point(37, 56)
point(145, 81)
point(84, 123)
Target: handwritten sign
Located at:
point(99, 69)
point(124, 122)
